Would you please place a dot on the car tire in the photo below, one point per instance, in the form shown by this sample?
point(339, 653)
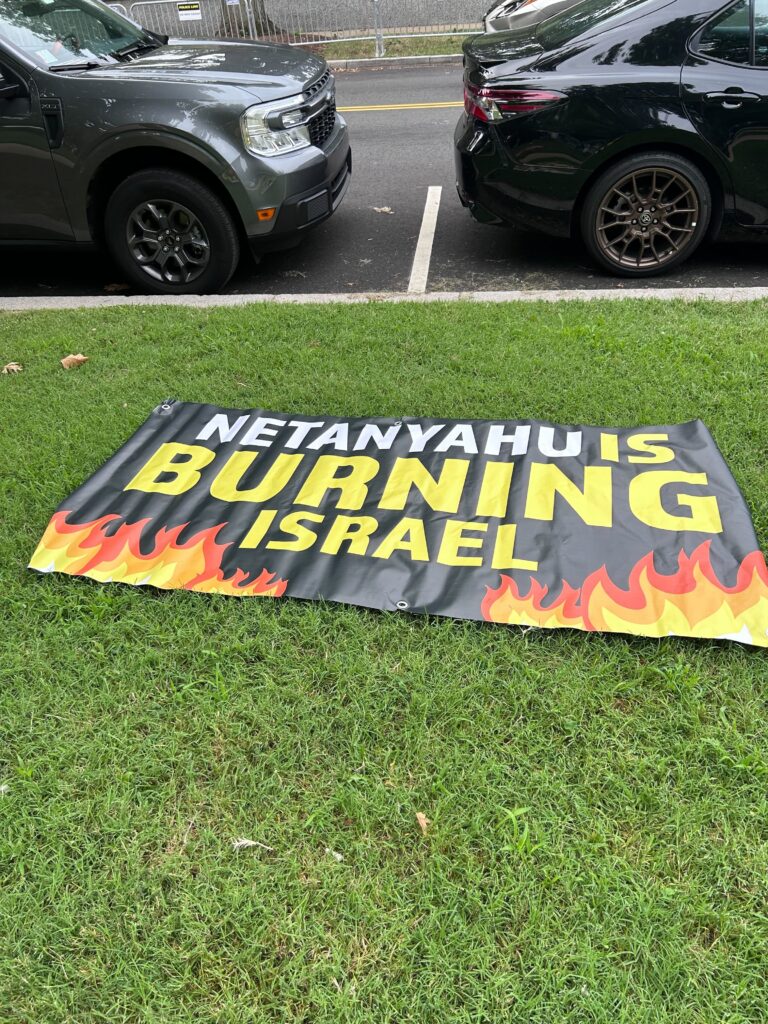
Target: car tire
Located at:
point(171, 234)
point(646, 214)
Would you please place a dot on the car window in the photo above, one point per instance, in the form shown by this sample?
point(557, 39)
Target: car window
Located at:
point(588, 14)
point(761, 33)
point(728, 36)
point(54, 32)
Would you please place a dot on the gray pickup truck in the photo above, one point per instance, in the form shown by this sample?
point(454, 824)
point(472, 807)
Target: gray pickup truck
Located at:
point(174, 154)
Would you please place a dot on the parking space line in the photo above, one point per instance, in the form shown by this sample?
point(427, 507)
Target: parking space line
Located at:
point(423, 254)
point(403, 106)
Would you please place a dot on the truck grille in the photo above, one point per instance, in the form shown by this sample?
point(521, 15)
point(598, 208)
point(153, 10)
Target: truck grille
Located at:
point(318, 86)
point(321, 125)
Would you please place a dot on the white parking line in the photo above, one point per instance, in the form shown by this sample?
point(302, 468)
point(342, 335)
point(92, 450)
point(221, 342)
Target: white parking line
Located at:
point(420, 269)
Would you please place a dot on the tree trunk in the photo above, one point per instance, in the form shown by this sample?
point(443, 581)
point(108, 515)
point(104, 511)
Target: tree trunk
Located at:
point(264, 24)
point(235, 17)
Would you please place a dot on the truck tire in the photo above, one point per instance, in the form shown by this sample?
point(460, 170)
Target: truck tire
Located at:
point(171, 234)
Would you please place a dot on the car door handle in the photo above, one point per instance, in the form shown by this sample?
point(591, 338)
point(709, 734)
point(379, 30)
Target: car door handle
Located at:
point(731, 99)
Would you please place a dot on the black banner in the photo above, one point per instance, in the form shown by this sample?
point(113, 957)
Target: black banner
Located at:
point(638, 531)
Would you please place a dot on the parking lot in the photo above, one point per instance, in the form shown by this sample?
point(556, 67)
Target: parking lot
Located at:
point(401, 122)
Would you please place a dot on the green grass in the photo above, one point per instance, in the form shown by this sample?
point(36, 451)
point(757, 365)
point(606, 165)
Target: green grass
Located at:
point(415, 46)
point(599, 846)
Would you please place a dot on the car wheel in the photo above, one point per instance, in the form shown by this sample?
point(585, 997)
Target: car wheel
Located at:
point(169, 233)
point(646, 214)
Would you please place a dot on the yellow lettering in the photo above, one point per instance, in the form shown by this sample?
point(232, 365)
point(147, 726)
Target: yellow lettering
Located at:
point(353, 530)
point(645, 502)
point(224, 487)
point(323, 478)
point(407, 535)
point(494, 490)
point(163, 463)
point(261, 524)
point(504, 551)
point(454, 538)
point(303, 537)
point(653, 452)
point(442, 495)
point(609, 447)
point(593, 505)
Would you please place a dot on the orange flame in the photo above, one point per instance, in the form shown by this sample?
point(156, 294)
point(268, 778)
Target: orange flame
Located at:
point(691, 602)
point(87, 549)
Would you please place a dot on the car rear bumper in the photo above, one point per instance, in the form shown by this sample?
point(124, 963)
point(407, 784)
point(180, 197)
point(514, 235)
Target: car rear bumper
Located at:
point(496, 190)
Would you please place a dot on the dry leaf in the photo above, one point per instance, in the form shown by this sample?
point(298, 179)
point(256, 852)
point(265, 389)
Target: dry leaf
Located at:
point(115, 287)
point(383, 209)
point(246, 844)
point(13, 368)
point(68, 362)
point(423, 821)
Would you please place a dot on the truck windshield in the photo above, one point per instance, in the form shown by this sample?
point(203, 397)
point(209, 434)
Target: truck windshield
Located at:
point(55, 33)
point(588, 14)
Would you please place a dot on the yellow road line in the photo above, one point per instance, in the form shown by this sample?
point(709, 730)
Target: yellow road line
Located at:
point(403, 106)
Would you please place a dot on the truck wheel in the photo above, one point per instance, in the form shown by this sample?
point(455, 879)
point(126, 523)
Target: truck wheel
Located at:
point(646, 214)
point(171, 234)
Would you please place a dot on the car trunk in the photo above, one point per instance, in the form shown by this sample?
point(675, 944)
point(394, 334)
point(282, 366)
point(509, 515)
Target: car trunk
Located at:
point(519, 47)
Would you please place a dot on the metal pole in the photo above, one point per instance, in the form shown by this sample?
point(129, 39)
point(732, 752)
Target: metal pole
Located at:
point(377, 28)
point(251, 20)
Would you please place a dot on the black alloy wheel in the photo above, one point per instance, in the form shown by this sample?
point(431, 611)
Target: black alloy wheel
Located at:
point(646, 215)
point(168, 241)
point(171, 234)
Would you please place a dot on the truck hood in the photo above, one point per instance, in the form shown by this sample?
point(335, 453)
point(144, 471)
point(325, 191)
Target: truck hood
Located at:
point(266, 71)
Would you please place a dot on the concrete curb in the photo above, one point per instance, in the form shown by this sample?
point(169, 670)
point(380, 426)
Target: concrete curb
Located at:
point(373, 63)
point(26, 304)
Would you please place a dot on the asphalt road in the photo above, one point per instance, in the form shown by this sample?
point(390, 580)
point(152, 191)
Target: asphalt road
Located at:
point(398, 155)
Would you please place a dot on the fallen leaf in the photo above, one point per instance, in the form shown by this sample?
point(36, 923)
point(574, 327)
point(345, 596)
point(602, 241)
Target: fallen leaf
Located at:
point(116, 287)
point(13, 368)
point(68, 362)
point(383, 209)
point(423, 821)
point(247, 844)
point(333, 853)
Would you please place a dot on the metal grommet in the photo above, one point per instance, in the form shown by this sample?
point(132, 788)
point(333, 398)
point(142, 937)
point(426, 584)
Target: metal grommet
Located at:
point(401, 606)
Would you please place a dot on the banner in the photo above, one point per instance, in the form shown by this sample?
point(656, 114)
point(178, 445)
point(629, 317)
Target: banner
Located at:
point(632, 531)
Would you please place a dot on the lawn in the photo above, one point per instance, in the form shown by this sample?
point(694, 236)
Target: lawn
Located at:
point(598, 847)
point(399, 46)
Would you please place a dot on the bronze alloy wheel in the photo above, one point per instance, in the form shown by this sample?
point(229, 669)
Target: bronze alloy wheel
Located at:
point(647, 218)
point(168, 242)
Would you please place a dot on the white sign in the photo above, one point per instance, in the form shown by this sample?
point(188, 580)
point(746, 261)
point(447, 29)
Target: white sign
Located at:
point(189, 11)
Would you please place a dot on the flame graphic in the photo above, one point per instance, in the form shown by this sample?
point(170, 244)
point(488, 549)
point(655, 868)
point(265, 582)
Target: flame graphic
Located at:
point(87, 549)
point(690, 602)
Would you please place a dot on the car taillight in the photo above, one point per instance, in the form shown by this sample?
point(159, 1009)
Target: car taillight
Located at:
point(499, 103)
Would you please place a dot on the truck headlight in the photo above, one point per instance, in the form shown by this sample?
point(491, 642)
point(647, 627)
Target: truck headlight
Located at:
point(271, 128)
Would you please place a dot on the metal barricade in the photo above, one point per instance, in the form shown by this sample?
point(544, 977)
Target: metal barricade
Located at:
point(308, 22)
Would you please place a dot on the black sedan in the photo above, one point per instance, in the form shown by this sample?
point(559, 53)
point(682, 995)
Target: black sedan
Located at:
point(639, 126)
